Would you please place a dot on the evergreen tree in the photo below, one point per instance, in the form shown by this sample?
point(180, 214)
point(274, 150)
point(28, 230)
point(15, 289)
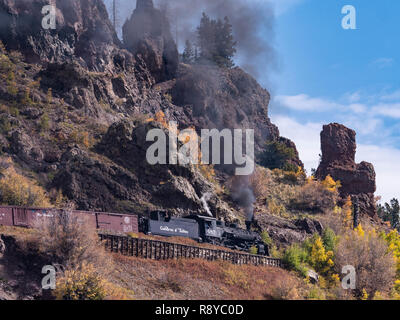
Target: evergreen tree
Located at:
point(225, 43)
point(188, 55)
point(390, 212)
point(215, 41)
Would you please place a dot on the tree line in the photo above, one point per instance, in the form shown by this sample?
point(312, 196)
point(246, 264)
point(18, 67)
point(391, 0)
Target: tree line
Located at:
point(390, 212)
point(214, 43)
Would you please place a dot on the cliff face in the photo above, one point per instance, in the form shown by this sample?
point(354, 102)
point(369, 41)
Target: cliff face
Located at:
point(147, 34)
point(338, 145)
point(83, 100)
point(83, 31)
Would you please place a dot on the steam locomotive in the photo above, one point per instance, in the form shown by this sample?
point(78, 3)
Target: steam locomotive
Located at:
point(203, 229)
point(199, 228)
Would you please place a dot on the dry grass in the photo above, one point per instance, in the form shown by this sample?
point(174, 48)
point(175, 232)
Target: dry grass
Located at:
point(200, 279)
point(130, 277)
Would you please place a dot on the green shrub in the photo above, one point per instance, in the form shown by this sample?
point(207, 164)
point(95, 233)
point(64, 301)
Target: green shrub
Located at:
point(277, 156)
point(329, 239)
point(266, 238)
point(44, 122)
point(253, 250)
point(5, 64)
point(294, 258)
point(5, 125)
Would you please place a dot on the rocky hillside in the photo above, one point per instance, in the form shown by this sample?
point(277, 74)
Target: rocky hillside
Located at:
point(76, 100)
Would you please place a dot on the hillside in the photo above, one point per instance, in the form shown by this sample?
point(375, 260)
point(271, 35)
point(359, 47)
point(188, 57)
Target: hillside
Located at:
point(147, 279)
point(69, 94)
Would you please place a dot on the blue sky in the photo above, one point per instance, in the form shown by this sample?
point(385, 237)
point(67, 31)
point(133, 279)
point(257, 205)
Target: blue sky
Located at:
point(328, 74)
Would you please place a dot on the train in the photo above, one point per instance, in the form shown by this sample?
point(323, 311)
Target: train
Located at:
point(203, 229)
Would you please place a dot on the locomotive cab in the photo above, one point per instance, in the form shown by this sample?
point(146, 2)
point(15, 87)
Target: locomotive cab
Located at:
point(160, 216)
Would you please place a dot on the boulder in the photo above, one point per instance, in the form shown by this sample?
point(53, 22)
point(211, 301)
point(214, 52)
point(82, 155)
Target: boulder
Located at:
point(309, 226)
point(338, 145)
point(313, 276)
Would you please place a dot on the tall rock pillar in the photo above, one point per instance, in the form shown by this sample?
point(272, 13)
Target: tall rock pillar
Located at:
point(147, 35)
point(338, 145)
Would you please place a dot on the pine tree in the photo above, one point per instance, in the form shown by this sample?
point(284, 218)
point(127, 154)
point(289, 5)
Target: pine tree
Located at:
point(188, 55)
point(206, 38)
point(215, 41)
point(225, 43)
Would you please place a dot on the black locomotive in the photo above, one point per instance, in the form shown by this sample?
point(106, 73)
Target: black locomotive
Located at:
point(203, 229)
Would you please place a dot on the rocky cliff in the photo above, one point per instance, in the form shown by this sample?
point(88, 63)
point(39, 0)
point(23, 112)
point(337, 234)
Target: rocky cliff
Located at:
point(338, 145)
point(147, 34)
point(76, 102)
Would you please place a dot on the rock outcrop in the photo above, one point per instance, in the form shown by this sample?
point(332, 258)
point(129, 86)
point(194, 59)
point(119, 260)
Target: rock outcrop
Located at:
point(226, 98)
point(338, 145)
point(147, 34)
point(83, 31)
point(285, 232)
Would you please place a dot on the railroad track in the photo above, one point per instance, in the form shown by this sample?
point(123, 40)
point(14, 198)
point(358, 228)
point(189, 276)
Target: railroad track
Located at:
point(162, 250)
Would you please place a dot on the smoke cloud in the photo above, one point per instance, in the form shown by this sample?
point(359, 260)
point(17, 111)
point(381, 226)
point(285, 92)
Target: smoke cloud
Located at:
point(242, 193)
point(252, 21)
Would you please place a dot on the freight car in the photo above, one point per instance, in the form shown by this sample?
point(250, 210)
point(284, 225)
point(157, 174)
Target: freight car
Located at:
point(27, 217)
point(199, 228)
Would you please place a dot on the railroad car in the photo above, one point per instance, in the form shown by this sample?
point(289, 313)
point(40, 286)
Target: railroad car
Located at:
point(27, 217)
point(161, 223)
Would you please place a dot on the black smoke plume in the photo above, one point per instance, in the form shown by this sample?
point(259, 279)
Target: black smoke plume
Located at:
point(243, 195)
point(252, 21)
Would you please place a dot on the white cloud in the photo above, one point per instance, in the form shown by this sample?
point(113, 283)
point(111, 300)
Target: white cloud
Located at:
point(392, 96)
point(303, 102)
point(305, 135)
point(391, 110)
point(382, 63)
point(354, 97)
point(358, 108)
point(386, 160)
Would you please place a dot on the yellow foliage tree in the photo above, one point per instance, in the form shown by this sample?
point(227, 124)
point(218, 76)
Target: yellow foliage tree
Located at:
point(320, 259)
point(345, 214)
point(348, 212)
point(331, 184)
point(85, 283)
point(393, 240)
point(21, 191)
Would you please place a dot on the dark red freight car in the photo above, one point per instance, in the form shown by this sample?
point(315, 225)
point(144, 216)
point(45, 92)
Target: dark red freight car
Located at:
point(28, 217)
point(6, 216)
point(117, 222)
point(88, 217)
